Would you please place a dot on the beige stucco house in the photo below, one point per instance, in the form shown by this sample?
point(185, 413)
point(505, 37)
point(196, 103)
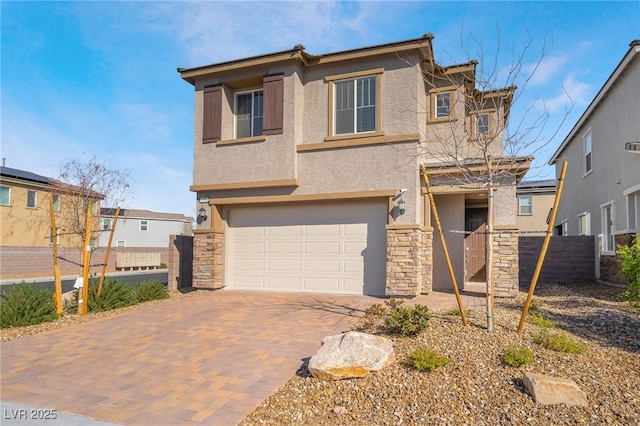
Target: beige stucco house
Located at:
point(307, 169)
point(535, 200)
point(601, 193)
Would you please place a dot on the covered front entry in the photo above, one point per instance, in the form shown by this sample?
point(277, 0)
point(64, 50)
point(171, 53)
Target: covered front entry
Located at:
point(475, 244)
point(335, 248)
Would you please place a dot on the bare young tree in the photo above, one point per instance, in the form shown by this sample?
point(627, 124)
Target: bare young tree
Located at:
point(473, 140)
point(85, 183)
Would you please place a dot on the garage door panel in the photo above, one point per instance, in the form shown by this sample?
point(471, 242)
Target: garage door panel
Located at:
point(248, 265)
point(285, 248)
point(280, 265)
point(330, 248)
point(315, 265)
point(250, 247)
point(315, 248)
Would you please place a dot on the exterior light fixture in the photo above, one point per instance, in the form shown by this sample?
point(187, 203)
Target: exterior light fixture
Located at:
point(202, 215)
point(401, 206)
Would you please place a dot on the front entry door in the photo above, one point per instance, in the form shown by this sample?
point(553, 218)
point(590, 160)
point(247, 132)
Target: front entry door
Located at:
point(474, 245)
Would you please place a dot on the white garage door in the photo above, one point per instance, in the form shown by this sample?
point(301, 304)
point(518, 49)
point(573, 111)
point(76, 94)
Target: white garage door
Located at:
point(338, 248)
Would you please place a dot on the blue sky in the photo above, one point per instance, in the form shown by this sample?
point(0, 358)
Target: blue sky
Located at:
point(83, 79)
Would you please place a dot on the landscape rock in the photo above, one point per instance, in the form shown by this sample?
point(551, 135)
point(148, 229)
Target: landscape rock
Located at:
point(351, 355)
point(550, 390)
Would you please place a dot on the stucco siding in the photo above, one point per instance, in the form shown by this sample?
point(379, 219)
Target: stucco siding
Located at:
point(156, 235)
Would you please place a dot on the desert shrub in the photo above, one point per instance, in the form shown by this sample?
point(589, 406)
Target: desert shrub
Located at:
point(23, 305)
point(427, 360)
point(630, 269)
point(540, 321)
point(151, 290)
point(373, 317)
point(517, 356)
point(115, 294)
point(559, 342)
point(533, 306)
point(408, 320)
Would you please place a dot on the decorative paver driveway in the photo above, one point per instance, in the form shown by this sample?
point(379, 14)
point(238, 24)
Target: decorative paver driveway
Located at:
point(208, 359)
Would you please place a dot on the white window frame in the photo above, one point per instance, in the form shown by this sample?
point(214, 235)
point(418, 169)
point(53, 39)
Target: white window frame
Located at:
point(608, 234)
point(56, 202)
point(564, 228)
point(436, 99)
point(587, 149)
point(51, 237)
point(8, 188)
point(632, 199)
point(105, 224)
point(479, 134)
point(357, 109)
point(253, 131)
point(35, 199)
point(587, 223)
point(118, 243)
point(523, 197)
point(144, 223)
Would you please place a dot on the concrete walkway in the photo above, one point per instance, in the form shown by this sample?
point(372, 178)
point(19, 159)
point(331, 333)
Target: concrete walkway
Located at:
point(208, 359)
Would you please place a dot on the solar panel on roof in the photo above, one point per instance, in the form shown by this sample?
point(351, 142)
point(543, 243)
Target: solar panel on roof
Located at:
point(22, 174)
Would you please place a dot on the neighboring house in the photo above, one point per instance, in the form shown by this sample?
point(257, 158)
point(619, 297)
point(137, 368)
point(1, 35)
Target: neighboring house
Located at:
point(307, 171)
point(142, 228)
point(601, 194)
point(25, 206)
point(535, 201)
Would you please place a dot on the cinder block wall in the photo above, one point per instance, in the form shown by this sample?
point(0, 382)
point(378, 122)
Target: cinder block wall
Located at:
point(29, 262)
point(568, 259)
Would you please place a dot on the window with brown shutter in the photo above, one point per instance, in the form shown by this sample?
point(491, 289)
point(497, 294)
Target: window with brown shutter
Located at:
point(212, 110)
point(273, 88)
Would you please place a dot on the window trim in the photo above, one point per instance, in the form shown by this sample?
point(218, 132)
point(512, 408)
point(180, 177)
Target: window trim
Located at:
point(56, 206)
point(331, 80)
point(235, 114)
point(51, 236)
point(102, 223)
point(490, 113)
point(35, 199)
point(530, 198)
point(124, 243)
point(433, 93)
point(586, 215)
point(603, 228)
point(588, 134)
point(9, 195)
point(632, 197)
point(146, 224)
point(564, 226)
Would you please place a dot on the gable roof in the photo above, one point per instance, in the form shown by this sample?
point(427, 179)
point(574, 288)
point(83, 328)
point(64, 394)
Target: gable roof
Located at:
point(24, 175)
point(632, 53)
point(54, 184)
point(143, 214)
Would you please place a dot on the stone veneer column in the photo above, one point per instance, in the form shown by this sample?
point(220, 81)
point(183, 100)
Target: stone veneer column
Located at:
point(208, 258)
point(505, 261)
point(427, 260)
point(404, 260)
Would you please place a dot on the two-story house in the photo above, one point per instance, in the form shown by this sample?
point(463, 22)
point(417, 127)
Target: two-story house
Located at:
point(307, 169)
point(601, 193)
point(142, 228)
point(535, 201)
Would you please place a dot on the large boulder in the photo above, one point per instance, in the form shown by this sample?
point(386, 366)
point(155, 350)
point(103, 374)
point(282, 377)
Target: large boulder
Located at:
point(554, 390)
point(350, 355)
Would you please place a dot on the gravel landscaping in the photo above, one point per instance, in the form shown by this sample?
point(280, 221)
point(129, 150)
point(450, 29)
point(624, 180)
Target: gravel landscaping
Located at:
point(475, 388)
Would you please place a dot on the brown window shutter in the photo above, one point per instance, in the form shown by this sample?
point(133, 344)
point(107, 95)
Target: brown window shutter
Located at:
point(212, 120)
point(273, 87)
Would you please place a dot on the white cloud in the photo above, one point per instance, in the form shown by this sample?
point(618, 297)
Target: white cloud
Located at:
point(545, 70)
point(572, 94)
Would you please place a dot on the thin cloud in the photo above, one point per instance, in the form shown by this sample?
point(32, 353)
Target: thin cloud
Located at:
point(573, 93)
point(544, 71)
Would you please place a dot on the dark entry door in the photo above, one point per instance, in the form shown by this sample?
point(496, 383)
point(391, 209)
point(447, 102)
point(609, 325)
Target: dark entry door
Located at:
point(474, 245)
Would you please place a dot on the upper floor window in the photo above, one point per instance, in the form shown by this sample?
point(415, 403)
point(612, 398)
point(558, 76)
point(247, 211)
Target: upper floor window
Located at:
point(355, 106)
point(53, 238)
point(248, 113)
point(442, 103)
point(525, 204)
point(5, 196)
point(105, 224)
point(586, 140)
point(482, 124)
point(32, 199)
point(144, 225)
point(584, 224)
point(56, 202)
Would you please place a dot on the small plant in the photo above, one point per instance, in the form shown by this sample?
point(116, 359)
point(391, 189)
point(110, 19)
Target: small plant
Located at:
point(427, 360)
point(559, 342)
point(533, 306)
point(162, 266)
point(373, 318)
point(23, 305)
point(517, 356)
point(151, 290)
point(630, 269)
point(408, 320)
point(455, 312)
point(115, 294)
point(540, 321)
